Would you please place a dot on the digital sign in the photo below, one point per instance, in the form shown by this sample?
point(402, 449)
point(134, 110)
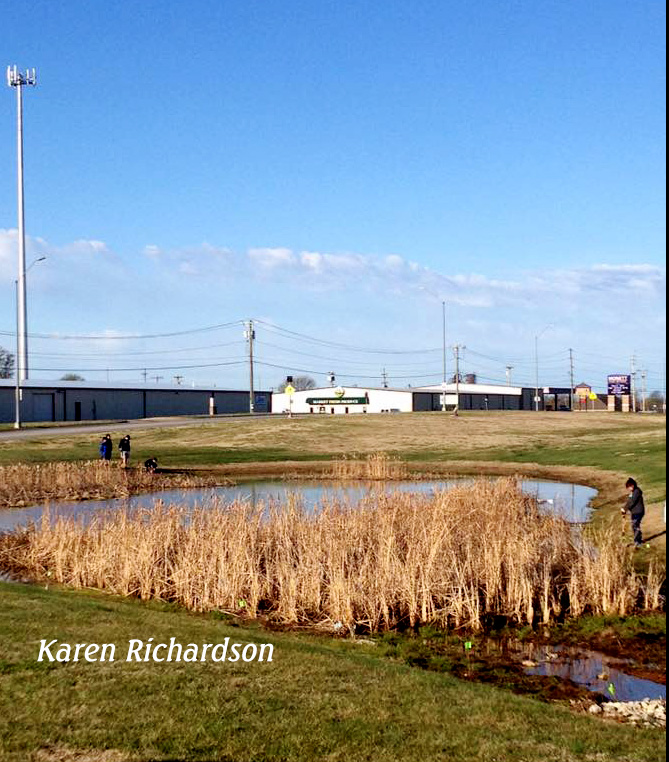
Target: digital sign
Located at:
point(618, 384)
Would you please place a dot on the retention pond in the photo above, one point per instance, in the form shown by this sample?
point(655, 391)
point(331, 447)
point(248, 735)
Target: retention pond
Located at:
point(572, 501)
point(587, 669)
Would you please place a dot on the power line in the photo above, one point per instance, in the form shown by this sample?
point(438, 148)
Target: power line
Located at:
point(304, 337)
point(126, 337)
point(141, 367)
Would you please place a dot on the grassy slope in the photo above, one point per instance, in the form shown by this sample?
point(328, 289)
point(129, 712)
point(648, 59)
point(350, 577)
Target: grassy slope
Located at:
point(599, 439)
point(322, 699)
point(614, 445)
point(318, 700)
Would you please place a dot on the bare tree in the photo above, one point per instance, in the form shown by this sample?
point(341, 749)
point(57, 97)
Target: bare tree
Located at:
point(6, 364)
point(299, 383)
point(72, 377)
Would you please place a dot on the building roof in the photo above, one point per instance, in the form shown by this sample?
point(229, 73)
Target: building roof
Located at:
point(450, 389)
point(123, 386)
point(473, 389)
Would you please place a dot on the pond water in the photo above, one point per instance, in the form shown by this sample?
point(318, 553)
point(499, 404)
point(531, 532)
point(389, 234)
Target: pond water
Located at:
point(572, 501)
point(593, 670)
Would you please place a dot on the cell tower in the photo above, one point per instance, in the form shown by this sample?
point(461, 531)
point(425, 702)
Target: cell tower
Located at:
point(19, 80)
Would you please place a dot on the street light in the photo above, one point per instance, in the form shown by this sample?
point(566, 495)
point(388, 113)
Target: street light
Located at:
point(443, 338)
point(17, 389)
point(19, 80)
point(536, 365)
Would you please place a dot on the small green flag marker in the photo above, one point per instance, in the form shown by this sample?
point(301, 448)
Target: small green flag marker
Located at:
point(468, 645)
point(611, 688)
point(242, 604)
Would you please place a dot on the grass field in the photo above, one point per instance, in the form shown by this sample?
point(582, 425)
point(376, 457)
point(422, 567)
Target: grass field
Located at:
point(599, 449)
point(320, 699)
point(613, 442)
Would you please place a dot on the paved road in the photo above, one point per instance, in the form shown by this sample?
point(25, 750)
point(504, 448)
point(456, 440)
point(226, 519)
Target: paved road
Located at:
point(116, 426)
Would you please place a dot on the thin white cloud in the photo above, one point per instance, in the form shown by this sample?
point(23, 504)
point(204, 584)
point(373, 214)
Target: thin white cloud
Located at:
point(272, 258)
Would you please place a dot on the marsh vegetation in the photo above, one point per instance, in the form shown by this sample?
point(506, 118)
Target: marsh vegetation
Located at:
point(455, 559)
point(25, 484)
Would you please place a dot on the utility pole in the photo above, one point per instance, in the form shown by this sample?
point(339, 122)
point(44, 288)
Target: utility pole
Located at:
point(250, 335)
point(509, 368)
point(456, 351)
point(633, 382)
point(536, 365)
point(144, 375)
point(536, 374)
point(443, 345)
point(571, 379)
point(384, 375)
point(17, 388)
point(644, 374)
point(443, 340)
point(19, 80)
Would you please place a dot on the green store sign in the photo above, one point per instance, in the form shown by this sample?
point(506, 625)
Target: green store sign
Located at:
point(337, 401)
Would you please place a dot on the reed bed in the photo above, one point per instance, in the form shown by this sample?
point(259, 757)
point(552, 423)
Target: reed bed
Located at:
point(378, 466)
point(395, 560)
point(27, 484)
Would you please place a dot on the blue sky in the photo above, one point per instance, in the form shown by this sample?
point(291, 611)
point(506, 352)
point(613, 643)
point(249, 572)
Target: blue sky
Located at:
point(336, 169)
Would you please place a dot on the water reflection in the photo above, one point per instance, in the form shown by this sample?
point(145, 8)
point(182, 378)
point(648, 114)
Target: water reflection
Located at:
point(592, 670)
point(572, 501)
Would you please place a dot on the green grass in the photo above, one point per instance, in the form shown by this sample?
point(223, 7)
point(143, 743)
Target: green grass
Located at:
point(644, 626)
point(320, 699)
point(609, 454)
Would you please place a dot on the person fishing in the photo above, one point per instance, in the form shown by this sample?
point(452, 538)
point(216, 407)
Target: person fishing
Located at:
point(636, 509)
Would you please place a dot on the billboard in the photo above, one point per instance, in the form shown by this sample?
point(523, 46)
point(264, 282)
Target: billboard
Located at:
point(618, 384)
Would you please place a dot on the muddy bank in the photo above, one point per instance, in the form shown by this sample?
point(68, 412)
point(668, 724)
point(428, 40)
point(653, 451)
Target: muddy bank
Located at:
point(541, 666)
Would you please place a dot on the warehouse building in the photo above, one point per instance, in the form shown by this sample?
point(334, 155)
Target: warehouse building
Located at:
point(353, 399)
point(51, 401)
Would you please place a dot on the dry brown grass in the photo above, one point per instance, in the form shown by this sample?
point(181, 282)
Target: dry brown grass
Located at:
point(410, 432)
point(28, 484)
point(376, 467)
point(395, 560)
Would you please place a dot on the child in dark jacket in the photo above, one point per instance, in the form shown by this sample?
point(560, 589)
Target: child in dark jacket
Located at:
point(636, 508)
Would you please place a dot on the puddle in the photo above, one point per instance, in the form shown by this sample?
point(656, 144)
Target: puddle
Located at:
point(572, 501)
point(592, 670)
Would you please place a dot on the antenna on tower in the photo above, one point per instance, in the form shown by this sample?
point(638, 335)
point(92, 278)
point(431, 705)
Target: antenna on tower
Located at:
point(15, 78)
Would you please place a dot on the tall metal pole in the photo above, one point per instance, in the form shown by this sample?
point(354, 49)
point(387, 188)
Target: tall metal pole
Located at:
point(536, 374)
point(251, 336)
point(571, 379)
point(456, 350)
point(17, 389)
point(18, 80)
point(633, 382)
point(536, 365)
point(443, 338)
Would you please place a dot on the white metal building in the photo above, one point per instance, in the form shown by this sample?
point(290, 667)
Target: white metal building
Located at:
point(344, 400)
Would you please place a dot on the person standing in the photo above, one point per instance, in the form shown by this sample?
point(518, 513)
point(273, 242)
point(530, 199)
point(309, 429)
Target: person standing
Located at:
point(106, 448)
point(124, 449)
point(636, 509)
